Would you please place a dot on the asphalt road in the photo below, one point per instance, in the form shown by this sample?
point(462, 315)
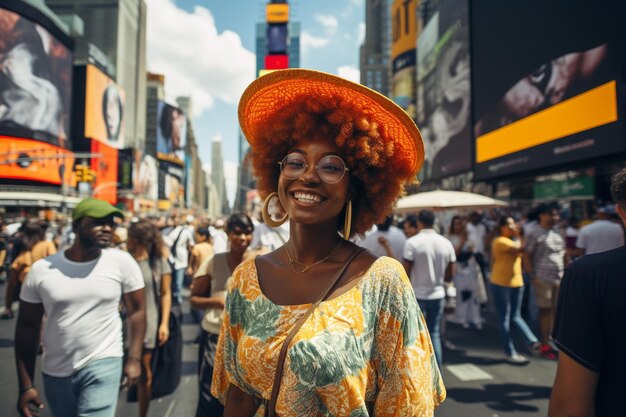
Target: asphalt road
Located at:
point(478, 379)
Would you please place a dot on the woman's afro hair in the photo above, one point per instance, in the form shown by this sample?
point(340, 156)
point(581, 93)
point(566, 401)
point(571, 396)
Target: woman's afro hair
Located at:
point(377, 179)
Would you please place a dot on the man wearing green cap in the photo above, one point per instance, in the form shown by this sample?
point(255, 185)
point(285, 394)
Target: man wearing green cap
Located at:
point(79, 290)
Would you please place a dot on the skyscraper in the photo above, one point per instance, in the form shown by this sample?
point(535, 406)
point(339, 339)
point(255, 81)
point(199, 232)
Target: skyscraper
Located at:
point(217, 174)
point(375, 51)
point(277, 47)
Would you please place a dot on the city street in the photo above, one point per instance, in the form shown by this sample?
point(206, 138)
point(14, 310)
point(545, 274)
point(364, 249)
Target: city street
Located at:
point(478, 380)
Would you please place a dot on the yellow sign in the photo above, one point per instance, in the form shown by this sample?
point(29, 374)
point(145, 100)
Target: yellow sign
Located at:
point(585, 111)
point(164, 205)
point(265, 72)
point(277, 13)
point(404, 28)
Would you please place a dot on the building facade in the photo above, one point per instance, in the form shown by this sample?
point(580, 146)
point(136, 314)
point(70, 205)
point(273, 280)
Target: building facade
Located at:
point(376, 49)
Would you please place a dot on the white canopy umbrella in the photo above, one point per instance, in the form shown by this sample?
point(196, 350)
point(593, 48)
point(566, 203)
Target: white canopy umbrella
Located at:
point(441, 199)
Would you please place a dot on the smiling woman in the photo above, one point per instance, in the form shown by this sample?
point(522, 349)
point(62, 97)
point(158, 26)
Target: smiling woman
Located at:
point(337, 155)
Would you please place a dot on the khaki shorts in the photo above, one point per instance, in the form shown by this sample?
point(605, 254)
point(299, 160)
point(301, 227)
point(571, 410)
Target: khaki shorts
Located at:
point(546, 294)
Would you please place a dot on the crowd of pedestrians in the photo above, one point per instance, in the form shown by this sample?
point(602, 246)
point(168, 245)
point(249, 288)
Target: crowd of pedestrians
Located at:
point(444, 270)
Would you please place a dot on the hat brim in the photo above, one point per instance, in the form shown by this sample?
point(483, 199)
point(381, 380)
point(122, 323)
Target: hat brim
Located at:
point(100, 213)
point(265, 97)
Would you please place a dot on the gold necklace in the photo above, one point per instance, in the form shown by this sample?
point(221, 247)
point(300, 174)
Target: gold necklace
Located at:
point(308, 267)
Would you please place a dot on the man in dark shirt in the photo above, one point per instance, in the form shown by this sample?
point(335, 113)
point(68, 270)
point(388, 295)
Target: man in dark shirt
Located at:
point(590, 333)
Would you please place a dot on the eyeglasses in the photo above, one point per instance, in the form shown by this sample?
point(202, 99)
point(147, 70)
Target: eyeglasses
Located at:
point(331, 168)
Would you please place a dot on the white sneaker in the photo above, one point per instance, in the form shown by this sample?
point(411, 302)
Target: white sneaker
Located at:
point(517, 359)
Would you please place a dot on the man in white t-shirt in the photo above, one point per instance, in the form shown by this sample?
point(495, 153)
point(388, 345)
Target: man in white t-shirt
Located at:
point(429, 261)
point(179, 240)
point(80, 290)
point(219, 236)
point(385, 240)
point(601, 235)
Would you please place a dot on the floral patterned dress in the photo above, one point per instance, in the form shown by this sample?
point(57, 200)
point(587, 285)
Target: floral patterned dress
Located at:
point(365, 350)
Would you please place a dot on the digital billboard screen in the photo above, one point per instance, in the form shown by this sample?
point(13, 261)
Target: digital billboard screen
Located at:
point(171, 186)
point(145, 176)
point(277, 38)
point(105, 171)
point(104, 109)
point(171, 133)
point(444, 91)
point(548, 96)
point(35, 81)
point(25, 159)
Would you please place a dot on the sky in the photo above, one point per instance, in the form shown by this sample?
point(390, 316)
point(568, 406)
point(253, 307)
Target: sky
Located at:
point(206, 50)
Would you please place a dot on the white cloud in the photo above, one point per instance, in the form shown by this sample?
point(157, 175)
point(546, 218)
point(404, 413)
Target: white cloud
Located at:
point(357, 2)
point(360, 33)
point(195, 59)
point(329, 22)
point(308, 41)
point(349, 73)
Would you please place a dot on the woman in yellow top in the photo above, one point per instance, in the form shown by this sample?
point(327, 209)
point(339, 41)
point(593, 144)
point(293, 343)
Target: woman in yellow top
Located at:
point(337, 155)
point(507, 288)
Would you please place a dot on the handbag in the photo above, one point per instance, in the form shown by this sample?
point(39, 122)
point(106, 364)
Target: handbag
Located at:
point(270, 406)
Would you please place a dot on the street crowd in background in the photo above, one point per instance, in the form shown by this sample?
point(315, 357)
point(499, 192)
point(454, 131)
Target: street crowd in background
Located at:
point(511, 261)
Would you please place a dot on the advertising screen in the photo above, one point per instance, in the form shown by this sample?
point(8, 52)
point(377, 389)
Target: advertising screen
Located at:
point(403, 55)
point(35, 81)
point(171, 186)
point(171, 133)
point(548, 96)
point(25, 159)
point(104, 109)
point(105, 171)
point(443, 91)
point(277, 13)
point(274, 62)
point(145, 176)
point(277, 38)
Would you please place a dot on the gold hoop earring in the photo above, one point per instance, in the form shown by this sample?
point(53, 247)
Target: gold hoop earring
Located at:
point(347, 225)
point(266, 215)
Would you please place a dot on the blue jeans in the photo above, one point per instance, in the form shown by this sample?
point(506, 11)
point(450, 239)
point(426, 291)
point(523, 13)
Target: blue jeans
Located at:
point(178, 277)
point(508, 303)
point(433, 312)
point(91, 391)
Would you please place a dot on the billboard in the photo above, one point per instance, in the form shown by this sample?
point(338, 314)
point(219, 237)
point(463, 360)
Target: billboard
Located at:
point(145, 176)
point(35, 81)
point(443, 91)
point(24, 159)
point(277, 38)
point(104, 109)
point(277, 13)
point(171, 188)
point(547, 97)
point(274, 62)
point(171, 133)
point(403, 55)
point(105, 171)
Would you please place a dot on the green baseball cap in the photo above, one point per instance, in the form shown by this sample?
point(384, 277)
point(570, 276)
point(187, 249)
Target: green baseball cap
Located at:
point(97, 209)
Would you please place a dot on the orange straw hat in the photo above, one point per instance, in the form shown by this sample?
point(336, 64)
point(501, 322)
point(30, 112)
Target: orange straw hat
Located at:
point(268, 95)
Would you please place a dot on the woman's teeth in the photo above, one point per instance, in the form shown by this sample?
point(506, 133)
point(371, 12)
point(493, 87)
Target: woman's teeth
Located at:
point(307, 198)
